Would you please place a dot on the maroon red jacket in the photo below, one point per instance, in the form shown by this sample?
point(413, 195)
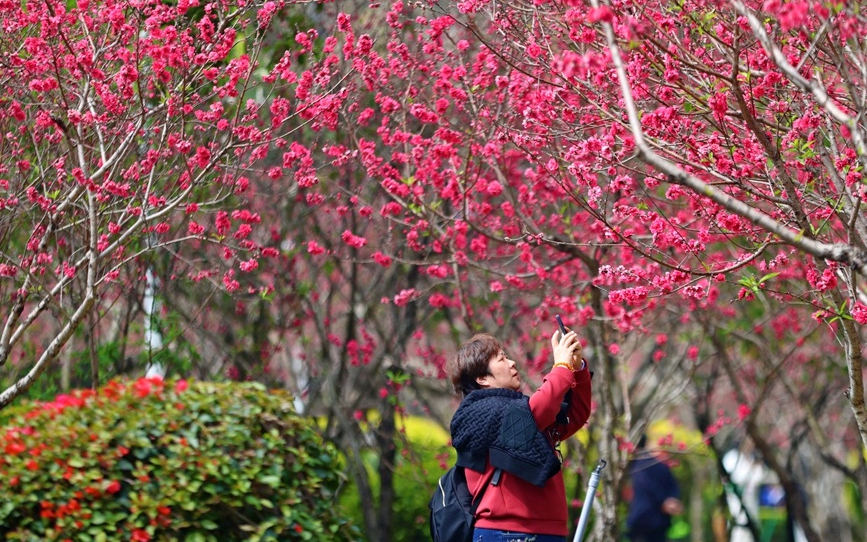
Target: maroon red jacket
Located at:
point(517, 505)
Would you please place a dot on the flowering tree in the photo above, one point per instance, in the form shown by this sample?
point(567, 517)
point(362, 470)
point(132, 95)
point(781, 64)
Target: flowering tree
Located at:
point(129, 128)
point(616, 164)
point(323, 332)
point(794, 419)
point(744, 148)
point(759, 134)
point(491, 163)
point(493, 150)
point(802, 120)
point(419, 184)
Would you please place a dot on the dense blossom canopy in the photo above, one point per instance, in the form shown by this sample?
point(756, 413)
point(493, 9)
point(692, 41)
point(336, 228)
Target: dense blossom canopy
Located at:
point(650, 169)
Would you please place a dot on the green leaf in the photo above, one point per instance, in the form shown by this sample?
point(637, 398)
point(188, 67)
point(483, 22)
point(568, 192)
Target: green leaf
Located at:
point(768, 276)
point(270, 480)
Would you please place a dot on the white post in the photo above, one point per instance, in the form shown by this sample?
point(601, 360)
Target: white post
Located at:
point(152, 336)
point(588, 501)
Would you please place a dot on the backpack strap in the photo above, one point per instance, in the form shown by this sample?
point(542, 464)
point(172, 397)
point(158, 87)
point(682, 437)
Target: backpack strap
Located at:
point(563, 415)
point(495, 480)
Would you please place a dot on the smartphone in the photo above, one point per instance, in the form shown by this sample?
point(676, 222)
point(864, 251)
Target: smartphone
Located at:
point(560, 323)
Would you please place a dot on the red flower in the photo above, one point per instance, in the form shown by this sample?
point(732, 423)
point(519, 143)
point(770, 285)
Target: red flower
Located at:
point(353, 240)
point(140, 535)
point(314, 248)
point(15, 447)
point(142, 387)
point(203, 156)
point(113, 487)
point(32, 465)
point(602, 13)
point(113, 390)
point(382, 259)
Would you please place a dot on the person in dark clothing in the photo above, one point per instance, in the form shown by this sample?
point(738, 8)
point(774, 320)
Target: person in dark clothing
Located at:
point(655, 496)
point(507, 442)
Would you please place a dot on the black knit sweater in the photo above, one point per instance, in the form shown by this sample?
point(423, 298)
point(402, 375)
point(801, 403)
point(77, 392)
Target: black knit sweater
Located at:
point(497, 425)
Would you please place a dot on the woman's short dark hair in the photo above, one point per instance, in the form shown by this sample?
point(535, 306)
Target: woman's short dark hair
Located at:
point(471, 362)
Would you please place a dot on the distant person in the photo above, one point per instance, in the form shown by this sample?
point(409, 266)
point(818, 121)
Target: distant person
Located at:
point(745, 476)
point(655, 496)
point(507, 442)
point(751, 486)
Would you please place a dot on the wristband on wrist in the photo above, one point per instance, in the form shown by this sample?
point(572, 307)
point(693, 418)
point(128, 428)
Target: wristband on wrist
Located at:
point(564, 364)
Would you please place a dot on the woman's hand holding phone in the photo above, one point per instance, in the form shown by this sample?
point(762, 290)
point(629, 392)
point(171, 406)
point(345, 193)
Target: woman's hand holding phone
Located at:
point(567, 347)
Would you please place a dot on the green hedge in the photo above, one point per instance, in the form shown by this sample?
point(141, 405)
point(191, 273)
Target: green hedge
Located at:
point(153, 460)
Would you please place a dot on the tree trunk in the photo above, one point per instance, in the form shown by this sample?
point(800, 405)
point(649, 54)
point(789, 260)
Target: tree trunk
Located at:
point(385, 437)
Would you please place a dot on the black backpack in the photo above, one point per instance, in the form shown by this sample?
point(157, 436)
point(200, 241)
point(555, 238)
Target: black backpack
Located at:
point(452, 510)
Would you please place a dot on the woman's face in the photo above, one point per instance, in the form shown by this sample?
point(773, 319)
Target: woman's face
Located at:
point(501, 373)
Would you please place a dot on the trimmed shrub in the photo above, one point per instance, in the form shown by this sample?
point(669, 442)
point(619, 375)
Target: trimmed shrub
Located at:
point(153, 460)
